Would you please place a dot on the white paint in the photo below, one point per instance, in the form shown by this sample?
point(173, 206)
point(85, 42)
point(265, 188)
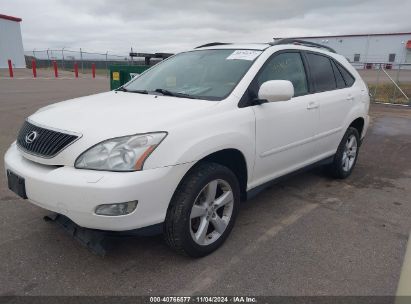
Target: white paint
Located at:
point(276, 90)
point(11, 44)
point(404, 285)
point(275, 138)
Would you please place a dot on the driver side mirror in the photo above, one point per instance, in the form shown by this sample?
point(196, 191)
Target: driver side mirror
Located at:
point(276, 90)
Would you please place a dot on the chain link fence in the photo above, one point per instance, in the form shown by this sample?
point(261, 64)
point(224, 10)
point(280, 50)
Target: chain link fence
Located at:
point(387, 82)
point(66, 59)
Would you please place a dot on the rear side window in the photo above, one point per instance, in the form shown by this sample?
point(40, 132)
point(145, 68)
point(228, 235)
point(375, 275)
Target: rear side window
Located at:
point(321, 72)
point(338, 77)
point(348, 78)
point(286, 66)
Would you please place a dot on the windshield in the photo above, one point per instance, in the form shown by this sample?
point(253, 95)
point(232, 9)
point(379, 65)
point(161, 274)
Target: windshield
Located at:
point(206, 74)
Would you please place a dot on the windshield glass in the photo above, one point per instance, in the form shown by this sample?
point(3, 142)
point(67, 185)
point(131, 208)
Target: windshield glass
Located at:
point(206, 74)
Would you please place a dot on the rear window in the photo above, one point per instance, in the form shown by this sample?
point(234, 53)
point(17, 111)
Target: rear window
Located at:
point(348, 78)
point(338, 77)
point(321, 72)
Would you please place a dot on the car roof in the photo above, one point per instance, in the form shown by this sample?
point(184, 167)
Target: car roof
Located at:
point(283, 44)
point(241, 46)
point(263, 46)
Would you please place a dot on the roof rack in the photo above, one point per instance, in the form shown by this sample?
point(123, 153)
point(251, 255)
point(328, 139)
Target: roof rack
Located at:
point(212, 44)
point(301, 42)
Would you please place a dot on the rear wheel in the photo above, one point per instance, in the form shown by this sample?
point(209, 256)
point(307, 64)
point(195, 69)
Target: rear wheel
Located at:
point(346, 156)
point(203, 210)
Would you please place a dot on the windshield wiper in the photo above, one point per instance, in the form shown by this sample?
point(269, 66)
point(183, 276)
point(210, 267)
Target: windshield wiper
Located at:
point(132, 91)
point(174, 94)
point(138, 91)
point(121, 89)
point(162, 91)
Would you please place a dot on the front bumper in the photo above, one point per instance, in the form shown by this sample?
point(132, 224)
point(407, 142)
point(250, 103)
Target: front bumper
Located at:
point(75, 193)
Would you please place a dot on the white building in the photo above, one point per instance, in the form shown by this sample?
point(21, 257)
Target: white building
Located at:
point(391, 48)
point(11, 43)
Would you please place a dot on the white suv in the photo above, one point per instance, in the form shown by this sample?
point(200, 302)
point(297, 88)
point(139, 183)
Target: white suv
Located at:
point(178, 147)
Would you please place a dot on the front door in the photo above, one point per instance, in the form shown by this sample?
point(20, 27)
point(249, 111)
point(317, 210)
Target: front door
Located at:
point(285, 129)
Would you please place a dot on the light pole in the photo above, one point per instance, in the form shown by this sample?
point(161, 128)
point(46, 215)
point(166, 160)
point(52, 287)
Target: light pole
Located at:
point(404, 52)
point(62, 55)
point(107, 64)
point(48, 58)
point(81, 58)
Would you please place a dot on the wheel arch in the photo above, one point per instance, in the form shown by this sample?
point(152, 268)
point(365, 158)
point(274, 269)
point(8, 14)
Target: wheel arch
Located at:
point(231, 158)
point(358, 124)
point(234, 160)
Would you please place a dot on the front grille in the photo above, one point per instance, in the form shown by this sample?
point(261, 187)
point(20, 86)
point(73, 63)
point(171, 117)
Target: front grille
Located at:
point(46, 143)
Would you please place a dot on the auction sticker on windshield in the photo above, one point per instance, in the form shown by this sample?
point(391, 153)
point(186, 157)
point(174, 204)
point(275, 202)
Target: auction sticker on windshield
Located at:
point(244, 55)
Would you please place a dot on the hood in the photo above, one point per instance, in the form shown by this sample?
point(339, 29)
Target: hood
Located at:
point(114, 114)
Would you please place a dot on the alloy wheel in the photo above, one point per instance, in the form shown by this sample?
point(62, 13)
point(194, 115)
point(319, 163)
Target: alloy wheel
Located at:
point(350, 153)
point(211, 212)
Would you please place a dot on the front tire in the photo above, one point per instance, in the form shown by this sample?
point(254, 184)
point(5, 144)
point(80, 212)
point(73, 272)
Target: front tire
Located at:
point(203, 210)
point(346, 156)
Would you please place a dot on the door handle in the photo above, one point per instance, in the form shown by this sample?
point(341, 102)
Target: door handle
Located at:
point(350, 98)
point(313, 105)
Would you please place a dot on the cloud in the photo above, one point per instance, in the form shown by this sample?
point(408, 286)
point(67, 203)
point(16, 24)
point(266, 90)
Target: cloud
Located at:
point(175, 25)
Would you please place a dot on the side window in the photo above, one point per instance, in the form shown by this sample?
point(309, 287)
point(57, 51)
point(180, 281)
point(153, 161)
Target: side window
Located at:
point(285, 66)
point(321, 72)
point(348, 78)
point(338, 77)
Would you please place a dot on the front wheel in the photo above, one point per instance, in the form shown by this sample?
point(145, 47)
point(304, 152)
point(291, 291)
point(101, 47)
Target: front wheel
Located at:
point(203, 210)
point(346, 156)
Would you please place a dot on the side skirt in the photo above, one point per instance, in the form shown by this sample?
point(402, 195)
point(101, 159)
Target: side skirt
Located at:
point(257, 190)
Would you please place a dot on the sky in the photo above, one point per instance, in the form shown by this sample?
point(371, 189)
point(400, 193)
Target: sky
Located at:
point(176, 25)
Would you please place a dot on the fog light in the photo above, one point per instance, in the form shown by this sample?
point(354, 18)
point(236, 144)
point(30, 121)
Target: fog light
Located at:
point(116, 209)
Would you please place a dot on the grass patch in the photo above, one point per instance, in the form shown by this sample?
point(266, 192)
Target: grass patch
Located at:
point(387, 92)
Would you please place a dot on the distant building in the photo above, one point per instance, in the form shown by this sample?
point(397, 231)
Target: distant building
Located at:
point(11, 43)
point(391, 48)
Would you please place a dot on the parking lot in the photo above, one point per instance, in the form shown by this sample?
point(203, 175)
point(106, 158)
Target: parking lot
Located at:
point(308, 235)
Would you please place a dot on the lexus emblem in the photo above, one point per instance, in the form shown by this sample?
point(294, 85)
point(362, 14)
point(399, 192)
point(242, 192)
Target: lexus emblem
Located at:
point(30, 137)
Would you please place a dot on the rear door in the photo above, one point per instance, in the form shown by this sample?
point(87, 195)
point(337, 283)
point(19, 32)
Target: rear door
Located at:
point(335, 98)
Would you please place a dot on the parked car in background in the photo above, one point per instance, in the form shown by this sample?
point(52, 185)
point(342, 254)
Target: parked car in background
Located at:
point(179, 146)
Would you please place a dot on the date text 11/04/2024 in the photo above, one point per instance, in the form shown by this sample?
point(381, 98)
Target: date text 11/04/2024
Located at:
point(203, 299)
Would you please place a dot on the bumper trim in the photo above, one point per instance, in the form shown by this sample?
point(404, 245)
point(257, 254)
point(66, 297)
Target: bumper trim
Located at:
point(98, 241)
point(76, 193)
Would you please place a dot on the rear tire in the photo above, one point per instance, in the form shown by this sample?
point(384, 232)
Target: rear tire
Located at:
point(346, 156)
point(203, 210)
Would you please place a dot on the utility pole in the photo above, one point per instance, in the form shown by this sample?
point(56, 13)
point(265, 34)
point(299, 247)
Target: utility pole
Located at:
point(107, 63)
point(48, 58)
point(81, 59)
point(62, 55)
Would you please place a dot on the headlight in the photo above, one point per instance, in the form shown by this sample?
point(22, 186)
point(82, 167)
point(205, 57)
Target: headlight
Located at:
point(126, 153)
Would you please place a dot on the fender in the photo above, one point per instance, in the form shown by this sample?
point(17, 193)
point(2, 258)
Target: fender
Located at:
point(356, 112)
point(230, 128)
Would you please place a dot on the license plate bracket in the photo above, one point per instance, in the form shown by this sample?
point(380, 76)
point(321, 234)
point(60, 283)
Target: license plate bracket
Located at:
point(16, 184)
